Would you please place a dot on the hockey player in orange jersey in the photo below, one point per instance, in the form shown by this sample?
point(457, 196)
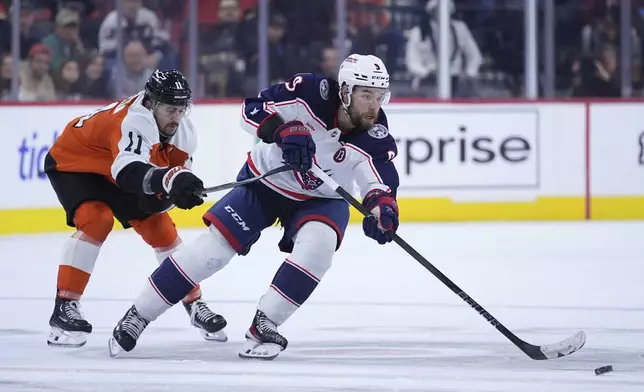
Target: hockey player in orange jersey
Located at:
point(131, 161)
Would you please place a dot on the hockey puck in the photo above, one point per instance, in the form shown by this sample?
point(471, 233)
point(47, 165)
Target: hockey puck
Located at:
point(603, 369)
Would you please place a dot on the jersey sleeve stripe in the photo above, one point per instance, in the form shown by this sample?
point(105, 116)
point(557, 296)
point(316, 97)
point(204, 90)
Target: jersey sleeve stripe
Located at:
point(369, 159)
point(268, 107)
point(246, 119)
point(306, 107)
point(256, 108)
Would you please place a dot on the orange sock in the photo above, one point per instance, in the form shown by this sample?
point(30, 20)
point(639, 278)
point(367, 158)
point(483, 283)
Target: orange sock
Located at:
point(71, 282)
point(94, 221)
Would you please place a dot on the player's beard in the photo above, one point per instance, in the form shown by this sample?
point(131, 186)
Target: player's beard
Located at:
point(170, 129)
point(361, 121)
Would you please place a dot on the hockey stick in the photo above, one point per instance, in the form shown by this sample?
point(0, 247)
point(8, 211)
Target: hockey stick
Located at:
point(243, 182)
point(550, 351)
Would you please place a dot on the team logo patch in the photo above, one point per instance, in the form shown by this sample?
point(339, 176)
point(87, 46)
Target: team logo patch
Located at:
point(159, 76)
point(378, 131)
point(340, 155)
point(324, 89)
point(308, 181)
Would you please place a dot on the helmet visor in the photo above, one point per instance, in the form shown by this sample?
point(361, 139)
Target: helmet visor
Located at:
point(370, 95)
point(169, 116)
point(172, 111)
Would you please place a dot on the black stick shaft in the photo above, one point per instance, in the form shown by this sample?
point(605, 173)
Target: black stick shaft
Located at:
point(234, 184)
point(523, 346)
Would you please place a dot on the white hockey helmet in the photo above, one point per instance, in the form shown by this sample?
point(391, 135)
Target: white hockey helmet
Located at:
point(363, 71)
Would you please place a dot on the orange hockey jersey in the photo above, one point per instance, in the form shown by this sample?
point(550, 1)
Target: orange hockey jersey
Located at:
point(108, 139)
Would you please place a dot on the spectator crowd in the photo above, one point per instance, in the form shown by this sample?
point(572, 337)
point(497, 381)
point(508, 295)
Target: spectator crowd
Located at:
point(69, 49)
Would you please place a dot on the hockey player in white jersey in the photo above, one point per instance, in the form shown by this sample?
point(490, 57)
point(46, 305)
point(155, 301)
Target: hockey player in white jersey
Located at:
point(338, 126)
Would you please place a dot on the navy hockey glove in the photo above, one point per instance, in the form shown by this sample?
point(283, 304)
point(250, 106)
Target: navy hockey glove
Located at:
point(383, 222)
point(180, 185)
point(297, 145)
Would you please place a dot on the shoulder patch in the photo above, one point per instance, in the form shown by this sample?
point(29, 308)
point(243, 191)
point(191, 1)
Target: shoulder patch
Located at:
point(378, 131)
point(324, 89)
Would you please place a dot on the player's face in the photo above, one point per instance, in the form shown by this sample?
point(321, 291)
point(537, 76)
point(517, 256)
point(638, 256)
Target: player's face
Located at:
point(168, 117)
point(365, 105)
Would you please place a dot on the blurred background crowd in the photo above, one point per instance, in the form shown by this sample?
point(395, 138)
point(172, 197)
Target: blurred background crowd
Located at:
point(76, 50)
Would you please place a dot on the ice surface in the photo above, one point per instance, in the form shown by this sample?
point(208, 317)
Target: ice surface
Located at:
point(378, 321)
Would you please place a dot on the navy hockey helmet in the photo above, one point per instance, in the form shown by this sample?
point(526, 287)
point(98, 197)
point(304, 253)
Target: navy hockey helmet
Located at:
point(169, 87)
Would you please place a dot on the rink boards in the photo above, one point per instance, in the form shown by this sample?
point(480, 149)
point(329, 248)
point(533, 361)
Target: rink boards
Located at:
point(459, 161)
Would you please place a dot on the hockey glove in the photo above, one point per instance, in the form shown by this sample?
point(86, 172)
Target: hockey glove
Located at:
point(180, 185)
point(297, 145)
point(383, 222)
point(151, 204)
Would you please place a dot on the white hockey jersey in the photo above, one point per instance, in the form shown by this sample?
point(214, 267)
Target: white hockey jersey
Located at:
point(360, 157)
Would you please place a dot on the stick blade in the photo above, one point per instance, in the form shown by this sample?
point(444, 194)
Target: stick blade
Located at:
point(565, 347)
point(557, 350)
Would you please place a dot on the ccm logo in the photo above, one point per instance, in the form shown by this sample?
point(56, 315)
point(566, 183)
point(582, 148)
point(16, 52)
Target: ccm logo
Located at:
point(237, 218)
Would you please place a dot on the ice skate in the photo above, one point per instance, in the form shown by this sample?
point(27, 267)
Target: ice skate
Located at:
point(68, 325)
point(127, 332)
point(210, 324)
point(262, 339)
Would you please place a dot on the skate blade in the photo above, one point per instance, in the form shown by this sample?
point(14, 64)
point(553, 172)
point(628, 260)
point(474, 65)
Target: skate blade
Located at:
point(219, 336)
point(114, 347)
point(69, 339)
point(256, 350)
